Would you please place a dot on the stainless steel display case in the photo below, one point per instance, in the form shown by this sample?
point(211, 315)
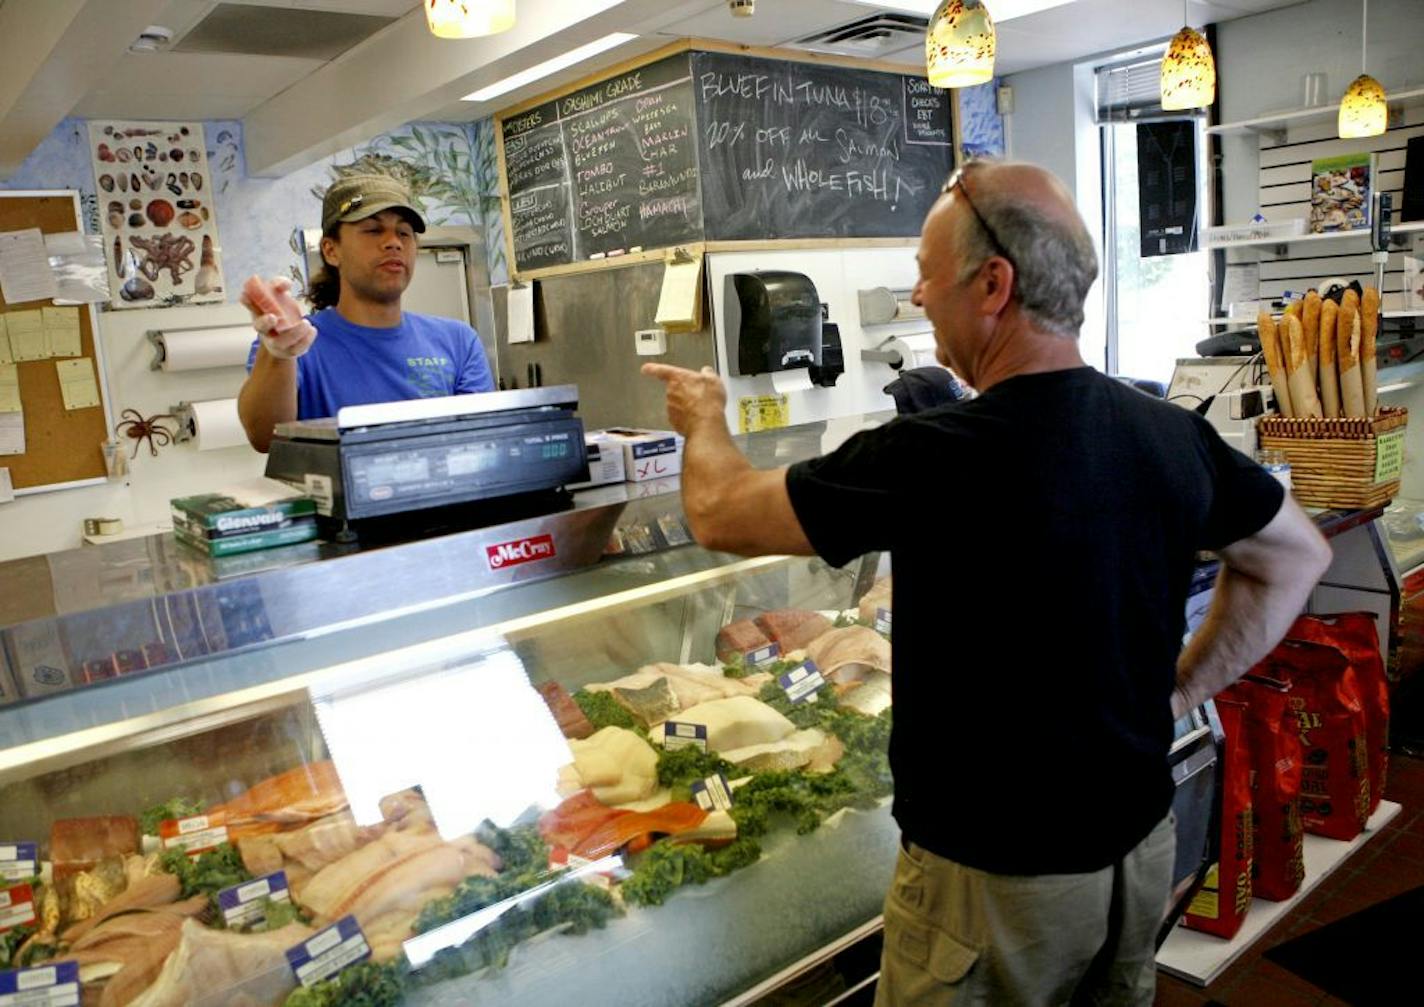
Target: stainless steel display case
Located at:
point(411, 665)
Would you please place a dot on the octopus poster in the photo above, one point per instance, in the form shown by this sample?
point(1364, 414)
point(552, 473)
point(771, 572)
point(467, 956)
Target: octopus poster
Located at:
point(156, 209)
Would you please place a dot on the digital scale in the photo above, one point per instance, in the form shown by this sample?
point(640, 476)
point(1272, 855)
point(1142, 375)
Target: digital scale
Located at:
point(417, 466)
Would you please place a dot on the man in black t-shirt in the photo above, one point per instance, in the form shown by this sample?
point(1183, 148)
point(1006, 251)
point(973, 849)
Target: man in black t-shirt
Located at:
point(1043, 537)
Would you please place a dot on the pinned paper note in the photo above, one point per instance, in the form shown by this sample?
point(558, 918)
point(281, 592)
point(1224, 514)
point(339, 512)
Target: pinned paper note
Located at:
point(12, 433)
point(61, 327)
point(681, 299)
point(77, 384)
point(521, 313)
point(10, 389)
point(5, 356)
point(27, 335)
point(24, 267)
point(7, 486)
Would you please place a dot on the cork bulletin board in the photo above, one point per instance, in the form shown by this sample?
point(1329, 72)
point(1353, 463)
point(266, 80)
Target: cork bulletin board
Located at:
point(62, 446)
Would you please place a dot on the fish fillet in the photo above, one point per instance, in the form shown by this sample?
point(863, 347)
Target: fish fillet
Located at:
point(869, 696)
point(736, 723)
point(138, 943)
point(155, 890)
point(223, 967)
point(850, 654)
point(303, 794)
point(616, 764)
point(330, 886)
point(791, 752)
point(690, 683)
point(877, 597)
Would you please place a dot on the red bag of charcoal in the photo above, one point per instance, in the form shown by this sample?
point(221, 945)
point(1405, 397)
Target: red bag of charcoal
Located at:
point(1330, 719)
point(1219, 906)
point(1356, 635)
point(1279, 862)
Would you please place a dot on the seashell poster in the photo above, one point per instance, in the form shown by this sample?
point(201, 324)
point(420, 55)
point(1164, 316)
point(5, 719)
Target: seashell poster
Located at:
point(156, 208)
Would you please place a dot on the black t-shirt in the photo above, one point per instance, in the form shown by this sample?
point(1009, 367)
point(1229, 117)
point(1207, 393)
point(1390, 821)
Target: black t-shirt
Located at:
point(1043, 538)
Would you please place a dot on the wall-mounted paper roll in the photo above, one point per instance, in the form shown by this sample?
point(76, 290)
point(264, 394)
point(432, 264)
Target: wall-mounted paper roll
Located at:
point(215, 425)
point(798, 380)
point(194, 349)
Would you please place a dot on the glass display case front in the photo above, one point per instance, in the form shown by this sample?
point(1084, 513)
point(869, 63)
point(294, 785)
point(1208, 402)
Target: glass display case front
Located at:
point(662, 779)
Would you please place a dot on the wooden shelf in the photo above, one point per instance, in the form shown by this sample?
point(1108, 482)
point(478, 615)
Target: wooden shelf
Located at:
point(1199, 958)
point(1299, 117)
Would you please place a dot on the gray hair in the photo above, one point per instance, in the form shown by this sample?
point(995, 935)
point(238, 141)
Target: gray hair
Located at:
point(1055, 262)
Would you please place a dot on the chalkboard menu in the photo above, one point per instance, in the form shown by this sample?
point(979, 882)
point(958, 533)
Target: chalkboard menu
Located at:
point(713, 146)
point(608, 169)
point(803, 150)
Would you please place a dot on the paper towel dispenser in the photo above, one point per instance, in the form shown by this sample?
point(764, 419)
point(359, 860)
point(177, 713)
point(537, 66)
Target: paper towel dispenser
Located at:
point(773, 322)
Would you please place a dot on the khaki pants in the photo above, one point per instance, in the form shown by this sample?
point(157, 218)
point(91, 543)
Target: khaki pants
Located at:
point(956, 935)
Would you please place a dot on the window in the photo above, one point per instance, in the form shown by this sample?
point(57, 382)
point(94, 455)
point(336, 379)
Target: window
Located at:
point(1156, 303)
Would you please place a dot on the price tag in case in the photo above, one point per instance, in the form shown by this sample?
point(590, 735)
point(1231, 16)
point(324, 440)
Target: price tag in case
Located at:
point(330, 951)
point(17, 907)
point(882, 621)
point(801, 684)
point(245, 905)
point(52, 985)
point(677, 735)
point(713, 793)
point(18, 861)
point(765, 655)
point(196, 835)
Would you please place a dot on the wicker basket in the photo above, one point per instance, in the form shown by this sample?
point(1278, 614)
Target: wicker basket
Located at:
point(1338, 463)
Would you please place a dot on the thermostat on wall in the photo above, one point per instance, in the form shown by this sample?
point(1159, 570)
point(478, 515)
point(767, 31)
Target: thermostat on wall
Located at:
point(651, 342)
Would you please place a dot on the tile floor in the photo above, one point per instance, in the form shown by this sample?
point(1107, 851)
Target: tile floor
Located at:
point(1389, 864)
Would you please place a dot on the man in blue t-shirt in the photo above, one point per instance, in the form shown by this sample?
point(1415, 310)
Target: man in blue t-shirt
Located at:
point(369, 350)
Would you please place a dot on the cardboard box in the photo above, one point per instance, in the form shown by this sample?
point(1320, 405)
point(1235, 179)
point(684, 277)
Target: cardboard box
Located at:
point(648, 454)
point(257, 515)
point(605, 461)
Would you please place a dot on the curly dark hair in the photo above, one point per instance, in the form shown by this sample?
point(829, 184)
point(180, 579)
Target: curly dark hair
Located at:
point(324, 290)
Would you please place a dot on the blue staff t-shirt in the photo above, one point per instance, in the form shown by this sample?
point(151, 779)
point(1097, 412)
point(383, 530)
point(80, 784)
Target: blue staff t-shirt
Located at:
point(349, 365)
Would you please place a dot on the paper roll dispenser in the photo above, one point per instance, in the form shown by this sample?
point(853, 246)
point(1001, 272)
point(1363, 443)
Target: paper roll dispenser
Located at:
point(773, 322)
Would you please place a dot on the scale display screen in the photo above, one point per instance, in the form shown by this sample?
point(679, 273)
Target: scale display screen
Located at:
point(421, 471)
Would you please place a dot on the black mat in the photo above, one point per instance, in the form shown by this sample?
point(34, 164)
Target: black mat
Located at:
point(1364, 959)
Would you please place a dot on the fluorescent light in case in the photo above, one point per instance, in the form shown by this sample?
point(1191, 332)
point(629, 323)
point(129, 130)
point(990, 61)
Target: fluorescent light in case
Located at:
point(549, 66)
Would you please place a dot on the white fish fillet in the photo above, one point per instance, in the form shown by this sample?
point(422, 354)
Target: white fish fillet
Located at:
point(735, 723)
point(791, 752)
point(869, 696)
point(691, 683)
point(616, 764)
point(211, 967)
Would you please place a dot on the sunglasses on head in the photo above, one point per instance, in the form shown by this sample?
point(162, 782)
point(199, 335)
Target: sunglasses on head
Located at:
point(959, 181)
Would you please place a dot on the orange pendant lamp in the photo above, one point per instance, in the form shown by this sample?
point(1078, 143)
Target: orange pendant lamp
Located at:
point(1364, 110)
point(960, 44)
point(468, 18)
point(1188, 71)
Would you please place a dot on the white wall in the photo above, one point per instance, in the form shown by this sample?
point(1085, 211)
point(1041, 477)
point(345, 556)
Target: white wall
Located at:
point(838, 274)
point(47, 522)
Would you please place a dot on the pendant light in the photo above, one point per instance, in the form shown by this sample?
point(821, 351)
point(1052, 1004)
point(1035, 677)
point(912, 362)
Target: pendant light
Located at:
point(468, 18)
point(1188, 70)
point(960, 44)
point(1363, 110)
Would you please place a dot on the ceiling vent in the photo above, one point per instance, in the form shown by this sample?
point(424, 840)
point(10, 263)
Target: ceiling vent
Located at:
point(251, 30)
point(870, 37)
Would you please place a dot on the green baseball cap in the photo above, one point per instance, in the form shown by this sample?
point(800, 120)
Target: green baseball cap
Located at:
point(357, 197)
